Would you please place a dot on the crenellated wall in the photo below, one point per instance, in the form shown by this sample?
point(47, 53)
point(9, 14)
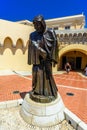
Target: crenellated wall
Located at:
point(14, 39)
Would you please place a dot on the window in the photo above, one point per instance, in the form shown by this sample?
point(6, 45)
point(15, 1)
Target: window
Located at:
point(67, 27)
point(55, 28)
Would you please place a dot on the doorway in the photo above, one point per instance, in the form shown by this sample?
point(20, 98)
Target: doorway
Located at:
point(78, 63)
point(74, 61)
point(63, 62)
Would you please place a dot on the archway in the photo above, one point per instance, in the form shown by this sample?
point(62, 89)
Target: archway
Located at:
point(76, 55)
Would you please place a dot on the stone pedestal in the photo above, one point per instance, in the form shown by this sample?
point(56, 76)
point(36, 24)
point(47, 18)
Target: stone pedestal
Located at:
point(42, 114)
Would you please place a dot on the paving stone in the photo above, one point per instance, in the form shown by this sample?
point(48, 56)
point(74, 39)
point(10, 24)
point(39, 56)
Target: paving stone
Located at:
point(10, 119)
point(71, 83)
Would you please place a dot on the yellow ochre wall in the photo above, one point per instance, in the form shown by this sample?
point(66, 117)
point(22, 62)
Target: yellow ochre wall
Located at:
point(14, 38)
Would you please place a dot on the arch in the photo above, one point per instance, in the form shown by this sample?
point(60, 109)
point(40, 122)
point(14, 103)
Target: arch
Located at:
point(75, 35)
point(61, 39)
point(79, 34)
point(58, 35)
point(19, 43)
point(61, 35)
point(7, 52)
point(85, 34)
point(26, 47)
point(65, 35)
point(81, 48)
point(75, 38)
point(27, 44)
point(18, 52)
point(8, 43)
point(70, 35)
point(66, 38)
point(75, 54)
point(85, 38)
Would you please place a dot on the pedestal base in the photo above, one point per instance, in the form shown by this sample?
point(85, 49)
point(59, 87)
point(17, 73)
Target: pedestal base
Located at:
point(42, 114)
point(41, 99)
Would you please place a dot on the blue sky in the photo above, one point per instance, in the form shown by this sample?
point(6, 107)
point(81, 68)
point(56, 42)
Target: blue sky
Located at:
point(15, 10)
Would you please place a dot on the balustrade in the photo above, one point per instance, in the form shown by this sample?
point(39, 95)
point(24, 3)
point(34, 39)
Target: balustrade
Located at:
point(78, 36)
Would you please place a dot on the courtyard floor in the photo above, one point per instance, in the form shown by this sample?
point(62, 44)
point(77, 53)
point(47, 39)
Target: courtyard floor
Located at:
point(72, 88)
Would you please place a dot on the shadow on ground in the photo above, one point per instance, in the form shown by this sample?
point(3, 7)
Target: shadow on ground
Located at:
point(23, 94)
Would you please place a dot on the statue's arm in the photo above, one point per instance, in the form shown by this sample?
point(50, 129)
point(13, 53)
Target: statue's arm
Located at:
point(41, 51)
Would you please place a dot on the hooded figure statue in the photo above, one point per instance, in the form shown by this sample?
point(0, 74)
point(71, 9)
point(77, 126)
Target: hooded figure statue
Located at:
point(42, 53)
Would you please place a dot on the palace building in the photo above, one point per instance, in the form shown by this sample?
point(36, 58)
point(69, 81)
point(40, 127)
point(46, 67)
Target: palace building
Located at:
point(71, 36)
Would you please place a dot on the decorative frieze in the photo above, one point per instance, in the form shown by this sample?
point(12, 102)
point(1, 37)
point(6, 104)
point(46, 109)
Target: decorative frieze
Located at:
point(72, 36)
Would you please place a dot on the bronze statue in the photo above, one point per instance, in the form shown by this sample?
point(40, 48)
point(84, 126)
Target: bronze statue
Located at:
point(42, 53)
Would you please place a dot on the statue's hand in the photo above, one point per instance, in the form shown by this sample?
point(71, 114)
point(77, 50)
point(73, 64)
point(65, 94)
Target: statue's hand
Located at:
point(41, 43)
point(38, 44)
point(35, 44)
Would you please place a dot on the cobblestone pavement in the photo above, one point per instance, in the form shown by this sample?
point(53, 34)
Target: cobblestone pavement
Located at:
point(10, 119)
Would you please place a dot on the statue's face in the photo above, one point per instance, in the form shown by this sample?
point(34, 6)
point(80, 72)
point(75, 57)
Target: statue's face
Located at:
point(38, 26)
